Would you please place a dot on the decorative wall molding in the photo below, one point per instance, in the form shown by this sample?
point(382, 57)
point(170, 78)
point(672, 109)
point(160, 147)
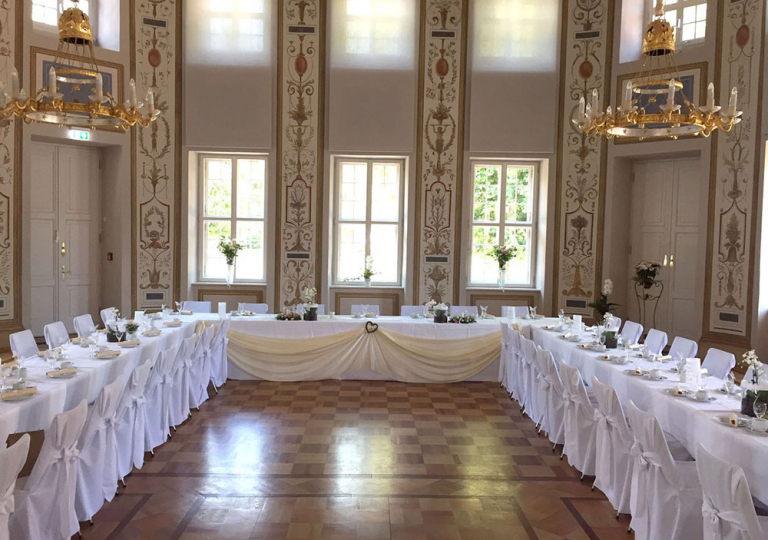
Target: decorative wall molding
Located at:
point(440, 148)
point(735, 175)
point(156, 154)
point(580, 193)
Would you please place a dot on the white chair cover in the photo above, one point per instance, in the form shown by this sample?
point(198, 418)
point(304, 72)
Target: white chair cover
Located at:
point(182, 378)
point(632, 331)
point(729, 513)
point(579, 422)
point(197, 307)
point(613, 443)
point(407, 311)
point(686, 348)
point(372, 308)
point(23, 344)
point(506, 354)
point(718, 363)
point(320, 309)
point(258, 309)
point(107, 315)
point(158, 400)
point(615, 325)
point(131, 430)
point(656, 340)
point(514, 311)
point(514, 375)
point(11, 461)
point(666, 499)
point(555, 413)
point(45, 505)
point(219, 370)
point(200, 373)
point(531, 374)
point(461, 310)
point(55, 334)
point(98, 474)
point(84, 325)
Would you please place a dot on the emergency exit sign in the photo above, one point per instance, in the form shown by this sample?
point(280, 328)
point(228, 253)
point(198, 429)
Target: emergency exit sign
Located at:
point(79, 135)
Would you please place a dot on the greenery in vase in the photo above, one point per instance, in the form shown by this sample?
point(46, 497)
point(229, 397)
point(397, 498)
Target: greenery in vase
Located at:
point(131, 327)
point(502, 255)
point(368, 273)
point(646, 272)
point(463, 319)
point(602, 305)
point(750, 360)
point(229, 248)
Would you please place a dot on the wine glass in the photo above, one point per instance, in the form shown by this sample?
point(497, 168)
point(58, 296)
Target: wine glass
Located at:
point(730, 383)
point(760, 407)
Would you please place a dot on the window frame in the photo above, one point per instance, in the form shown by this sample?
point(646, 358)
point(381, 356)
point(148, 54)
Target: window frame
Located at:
point(338, 161)
point(679, 6)
point(502, 223)
point(233, 219)
point(93, 16)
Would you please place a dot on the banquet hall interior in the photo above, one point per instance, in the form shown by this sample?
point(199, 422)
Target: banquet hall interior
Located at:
point(383, 269)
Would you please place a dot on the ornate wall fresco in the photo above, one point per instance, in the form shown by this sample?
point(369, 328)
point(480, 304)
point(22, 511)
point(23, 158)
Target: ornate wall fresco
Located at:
point(439, 167)
point(300, 82)
point(585, 61)
point(733, 189)
point(156, 152)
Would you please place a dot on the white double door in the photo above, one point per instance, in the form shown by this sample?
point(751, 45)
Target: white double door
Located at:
point(65, 226)
point(667, 228)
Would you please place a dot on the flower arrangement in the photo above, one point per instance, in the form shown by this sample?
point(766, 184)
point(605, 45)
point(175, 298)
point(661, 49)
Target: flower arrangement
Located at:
point(646, 273)
point(131, 327)
point(750, 360)
point(610, 335)
point(229, 248)
point(441, 313)
point(289, 315)
point(463, 319)
point(502, 255)
point(368, 272)
point(602, 305)
point(309, 295)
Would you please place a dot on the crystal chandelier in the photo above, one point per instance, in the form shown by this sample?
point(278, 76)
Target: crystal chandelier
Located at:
point(75, 65)
point(662, 120)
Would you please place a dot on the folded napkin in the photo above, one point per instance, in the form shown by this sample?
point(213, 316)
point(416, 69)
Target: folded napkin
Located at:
point(41, 354)
point(15, 394)
point(635, 347)
point(664, 358)
point(153, 332)
point(186, 312)
point(517, 327)
point(172, 323)
point(537, 316)
point(133, 343)
point(606, 357)
point(63, 372)
point(75, 340)
point(107, 354)
point(567, 336)
point(102, 331)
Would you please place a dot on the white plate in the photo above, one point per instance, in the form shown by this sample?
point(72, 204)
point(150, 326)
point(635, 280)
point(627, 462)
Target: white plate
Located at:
point(60, 376)
point(634, 373)
point(133, 346)
point(671, 392)
point(724, 420)
point(692, 397)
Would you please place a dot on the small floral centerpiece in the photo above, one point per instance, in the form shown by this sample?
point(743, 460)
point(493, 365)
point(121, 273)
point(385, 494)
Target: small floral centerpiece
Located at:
point(288, 315)
point(610, 335)
point(116, 329)
point(230, 248)
point(368, 272)
point(463, 319)
point(441, 313)
point(308, 296)
point(429, 307)
point(646, 273)
point(754, 390)
point(602, 305)
point(131, 327)
point(502, 255)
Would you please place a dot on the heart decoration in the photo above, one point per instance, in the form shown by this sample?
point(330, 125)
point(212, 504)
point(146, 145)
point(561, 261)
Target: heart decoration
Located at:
point(371, 327)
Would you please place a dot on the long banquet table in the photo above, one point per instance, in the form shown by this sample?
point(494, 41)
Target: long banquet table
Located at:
point(691, 422)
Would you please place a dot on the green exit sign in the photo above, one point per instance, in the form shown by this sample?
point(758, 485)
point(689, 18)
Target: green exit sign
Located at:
point(79, 135)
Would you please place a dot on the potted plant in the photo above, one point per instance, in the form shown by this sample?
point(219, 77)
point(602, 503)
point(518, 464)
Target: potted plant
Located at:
point(610, 335)
point(441, 313)
point(646, 273)
point(308, 296)
point(131, 327)
point(368, 273)
point(754, 390)
point(230, 248)
point(502, 255)
point(602, 305)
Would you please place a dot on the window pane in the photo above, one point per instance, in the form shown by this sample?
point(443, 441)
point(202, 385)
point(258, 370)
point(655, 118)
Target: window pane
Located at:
point(384, 247)
point(250, 188)
point(351, 251)
point(519, 268)
point(385, 192)
point(218, 187)
point(483, 268)
point(353, 188)
point(486, 205)
point(518, 195)
point(214, 263)
point(250, 260)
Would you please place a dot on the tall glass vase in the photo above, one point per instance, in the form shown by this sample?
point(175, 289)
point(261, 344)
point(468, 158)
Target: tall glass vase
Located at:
point(230, 274)
point(502, 273)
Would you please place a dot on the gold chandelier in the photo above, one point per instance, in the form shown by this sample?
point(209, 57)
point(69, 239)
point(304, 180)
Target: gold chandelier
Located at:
point(75, 65)
point(665, 120)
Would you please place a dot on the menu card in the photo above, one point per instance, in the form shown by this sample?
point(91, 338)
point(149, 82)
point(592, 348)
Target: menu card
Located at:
point(576, 328)
point(692, 370)
point(222, 308)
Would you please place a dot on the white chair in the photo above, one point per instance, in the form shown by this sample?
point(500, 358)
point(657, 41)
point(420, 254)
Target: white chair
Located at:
point(158, 401)
point(45, 502)
point(23, 344)
point(613, 443)
point(84, 325)
point(515, 377)
point(530, 353)
point(728, 511)
point(655, 341)
point(684, 348)
point(219, 368)
point(505, 358)
point(615, 325)
point(131, 414)
point(665, 501)
point(258, 309)
point(370, 308)
point(525, 375)
point(197, 307)
point(632, 332)
point(718, 363)
point(55, 334)
point(514, 311)
point(579, 422)
point(320, 309)
point(107, 315)
point(407, 311)
point(98, 472)
point(200, 372)
point(555, 405)
point(463, 310)
point(12, 459)
point(181, 373)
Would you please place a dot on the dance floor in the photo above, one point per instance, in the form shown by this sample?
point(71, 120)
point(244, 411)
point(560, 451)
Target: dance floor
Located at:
point(357, 460)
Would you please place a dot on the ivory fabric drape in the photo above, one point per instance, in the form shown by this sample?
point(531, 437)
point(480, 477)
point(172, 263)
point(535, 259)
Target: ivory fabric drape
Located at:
point(394, 355)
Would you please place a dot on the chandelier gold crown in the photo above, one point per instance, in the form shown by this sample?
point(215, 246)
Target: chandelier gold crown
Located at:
point(75, 65)
point(653, 99)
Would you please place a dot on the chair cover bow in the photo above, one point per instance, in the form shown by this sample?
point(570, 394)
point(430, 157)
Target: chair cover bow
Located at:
point(68, 454)
point(7, 504)
point(645, 459)
point(717, 517)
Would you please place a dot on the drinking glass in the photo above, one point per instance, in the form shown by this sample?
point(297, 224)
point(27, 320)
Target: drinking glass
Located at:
point(532, 311)
point(601, 337)
point(760, 408)
point(240, 308)
point(730, 383)
point(483, 312)
point(51, 358)
point(365, 309)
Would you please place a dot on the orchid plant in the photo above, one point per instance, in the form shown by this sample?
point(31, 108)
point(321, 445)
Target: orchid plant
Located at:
point(602, 305)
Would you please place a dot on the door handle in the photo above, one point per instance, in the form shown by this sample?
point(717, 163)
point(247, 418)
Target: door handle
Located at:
point(64, 270)
point(63, 248)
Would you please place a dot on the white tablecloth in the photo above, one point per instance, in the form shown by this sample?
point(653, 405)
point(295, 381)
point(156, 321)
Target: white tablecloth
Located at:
point(691, 422)
point(55, 396)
